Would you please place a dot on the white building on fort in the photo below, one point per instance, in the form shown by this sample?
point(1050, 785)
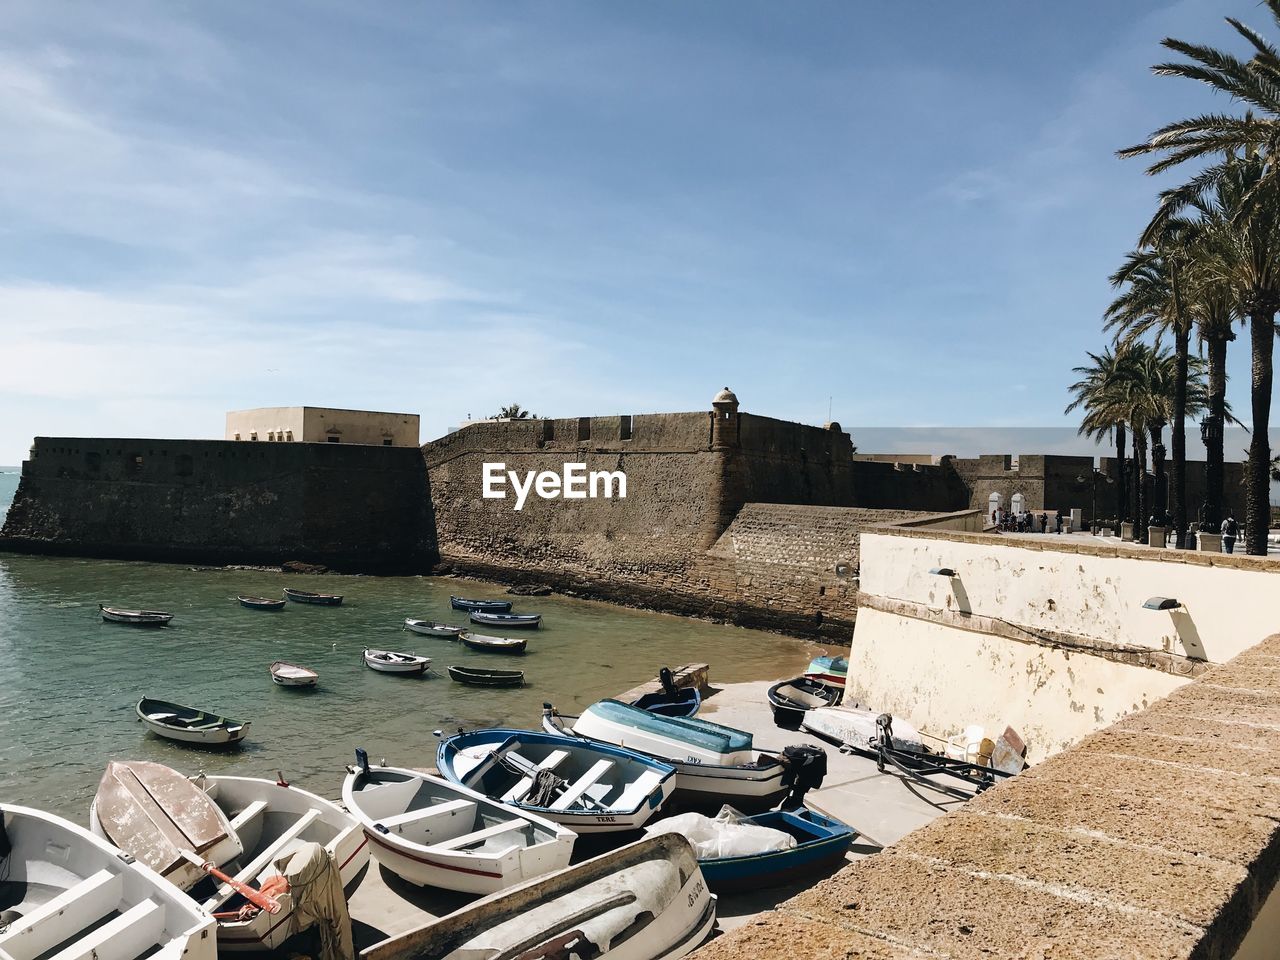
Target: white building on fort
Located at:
point(323, 425)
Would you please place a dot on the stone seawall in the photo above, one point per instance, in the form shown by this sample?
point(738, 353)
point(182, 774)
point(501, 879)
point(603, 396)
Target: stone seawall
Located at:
point(355, 508)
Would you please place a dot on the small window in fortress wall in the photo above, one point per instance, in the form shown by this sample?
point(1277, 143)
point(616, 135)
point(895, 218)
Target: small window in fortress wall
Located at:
point(386, 441)
point(624, 430)
point(584, 428)
point(335, 439)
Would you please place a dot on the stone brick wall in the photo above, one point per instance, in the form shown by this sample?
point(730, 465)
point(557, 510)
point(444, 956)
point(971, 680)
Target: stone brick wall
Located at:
point(1154, 838)
point(910, 486)
point(356, 508)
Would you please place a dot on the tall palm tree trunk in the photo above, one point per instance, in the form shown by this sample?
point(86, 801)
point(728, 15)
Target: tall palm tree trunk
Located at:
point(1122, 492)
point(1262, 334)
point(1178, 472)
point(1140, 485)
point(1211, 519)
point(1158, 486)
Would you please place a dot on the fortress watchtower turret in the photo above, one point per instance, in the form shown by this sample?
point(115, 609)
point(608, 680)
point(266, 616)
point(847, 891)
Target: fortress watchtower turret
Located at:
point(724, 420)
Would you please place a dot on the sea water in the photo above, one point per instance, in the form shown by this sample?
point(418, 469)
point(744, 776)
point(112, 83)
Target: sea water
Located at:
point(69, 682)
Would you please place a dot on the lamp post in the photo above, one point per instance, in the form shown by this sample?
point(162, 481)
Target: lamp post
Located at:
point(1093, 484)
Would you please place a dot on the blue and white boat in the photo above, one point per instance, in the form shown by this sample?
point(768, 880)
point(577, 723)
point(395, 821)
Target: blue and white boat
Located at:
point(488, 606)
point(590, 787)
point(670, 701)
point(821, 844)
point(529, 621)
point(832, 671)
point(714, 764)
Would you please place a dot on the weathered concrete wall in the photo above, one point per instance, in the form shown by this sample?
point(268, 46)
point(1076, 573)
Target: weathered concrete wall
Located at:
point(1047, 635)
point(215, 501)
point(1155, 838)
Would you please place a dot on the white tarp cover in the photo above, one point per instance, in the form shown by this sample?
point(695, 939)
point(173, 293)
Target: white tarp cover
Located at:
point(724, 835)
point(318, 899)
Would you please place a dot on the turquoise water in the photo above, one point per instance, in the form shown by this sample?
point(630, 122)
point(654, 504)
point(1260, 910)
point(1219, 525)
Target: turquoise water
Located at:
point(69, 682)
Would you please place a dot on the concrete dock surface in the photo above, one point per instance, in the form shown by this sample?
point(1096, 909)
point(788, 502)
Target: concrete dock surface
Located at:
point(882, 807)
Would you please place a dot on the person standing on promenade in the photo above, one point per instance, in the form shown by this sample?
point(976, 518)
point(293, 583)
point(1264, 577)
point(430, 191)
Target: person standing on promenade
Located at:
point(1230, 530)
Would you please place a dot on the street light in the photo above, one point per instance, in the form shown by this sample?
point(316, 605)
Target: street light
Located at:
point(1093, 482)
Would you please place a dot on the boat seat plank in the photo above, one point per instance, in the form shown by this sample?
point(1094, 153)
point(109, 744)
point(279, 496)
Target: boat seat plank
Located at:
point(248, 815)
point(263, 859)
point(640, 788)
point(123, 938)
point(450, 808)
point(72, 910)
point(479, 836)
point(579, 787)
point(525, 784)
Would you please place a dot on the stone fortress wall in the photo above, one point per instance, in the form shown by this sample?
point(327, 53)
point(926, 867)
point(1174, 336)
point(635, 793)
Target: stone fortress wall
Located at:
point(213, 501)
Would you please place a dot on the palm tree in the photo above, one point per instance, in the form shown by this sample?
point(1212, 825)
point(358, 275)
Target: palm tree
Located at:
point(514, 412)
point(1098, 392)
point(1250, 145)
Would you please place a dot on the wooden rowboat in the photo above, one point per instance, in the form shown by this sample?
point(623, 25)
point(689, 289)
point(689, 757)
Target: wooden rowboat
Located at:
point(670, 701)
point(791, 699)
point(435, 833)
point(190, 724)
point(490, 606)
point(292, 675)
point(261, 603)
point(136, 618)
point(61, 886)
point(389, 661)
point(645, 901)
point(523, 621)
point(430, 628)
point(485, 644)
point(476, 677)
point(317, 599)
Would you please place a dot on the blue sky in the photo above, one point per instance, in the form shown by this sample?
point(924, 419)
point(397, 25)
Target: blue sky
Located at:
point(589, 208)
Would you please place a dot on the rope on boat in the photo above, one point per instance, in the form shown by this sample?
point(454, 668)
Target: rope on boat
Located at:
point(545, 786)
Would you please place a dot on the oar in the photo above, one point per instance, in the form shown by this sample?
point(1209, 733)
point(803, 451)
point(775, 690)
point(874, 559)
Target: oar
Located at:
point(256, 897)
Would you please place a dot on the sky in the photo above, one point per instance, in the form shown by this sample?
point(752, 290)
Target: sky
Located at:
point(901, 213)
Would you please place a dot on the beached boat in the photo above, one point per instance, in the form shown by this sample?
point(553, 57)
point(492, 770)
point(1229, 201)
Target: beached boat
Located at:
point(190, 724)
point(518, 621)
point(489, 606)
point(390, 661)
point(272, 823)
point(833, 671)
point(261, 603)
point(714, 764)
point(478, 677)
point(318, 599)
point(292, 675)
point(790, 699)
point(66, 893)
point(645, 901)
point(736, 855)
point(136, 618)
point(670, 701)
point(856, 728)
point(435, 833)
point(430, 628)
point(590, 787)
point(487, 644)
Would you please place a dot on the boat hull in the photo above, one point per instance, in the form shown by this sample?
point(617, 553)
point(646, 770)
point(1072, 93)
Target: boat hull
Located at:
point(136, 618)
point(297, 677)
point(261, 603)
point(790, 700)
point(487, 678)
point(684, 702)
point(508, 621)
point(416, 666)
point(315, 599)
point(222, 734)
point(490, 606)
point(442, 862)
point(824, 845)
point(668, 913)
point(428, 629)
point(483, 644)
point(856, 728)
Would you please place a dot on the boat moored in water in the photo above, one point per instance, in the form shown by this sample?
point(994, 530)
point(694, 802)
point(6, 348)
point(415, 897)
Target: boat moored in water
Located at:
point(488, 606)
point(61, 886)
point(714, 764)
point(790, 699)
point(487, 644)
point(430, 628)
point(262, 603)
point(478, 677)
point(645, 901)
point(590, 787)
point(435, 833)
point(316, 599)
point(190, 724)
point(135, 618)
point(292, 675)
point(519, 621)
point(391, 661)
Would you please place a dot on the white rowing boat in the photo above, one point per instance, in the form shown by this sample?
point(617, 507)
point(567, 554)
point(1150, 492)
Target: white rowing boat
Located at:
point(390, 661)
point(190, 724)
point(137, 618)
point(645, 901)
point(62, 887)
point(431, 628)
point(435, 833)
point(292, 675)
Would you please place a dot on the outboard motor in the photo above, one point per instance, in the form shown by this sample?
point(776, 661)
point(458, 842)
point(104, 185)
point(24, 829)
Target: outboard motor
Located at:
point(806, 769)
point(668, 682)
point(362, 761)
